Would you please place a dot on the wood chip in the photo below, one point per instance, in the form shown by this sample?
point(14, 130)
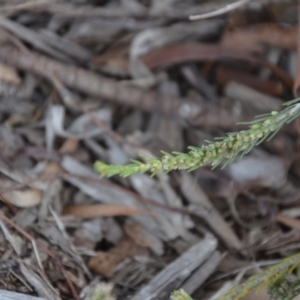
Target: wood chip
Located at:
point(172, 276)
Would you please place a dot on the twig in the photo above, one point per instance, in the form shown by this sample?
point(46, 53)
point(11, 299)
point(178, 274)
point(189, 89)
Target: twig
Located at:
point(183, 110)
point(132, 194)
point(117, 137)
point(8, 295)
point(73, 102)
point(220, 11)
point(94, 180)
point(30, 36)
point(26, 5)
point(27, 182)
point(72, 11)
point(4, 218)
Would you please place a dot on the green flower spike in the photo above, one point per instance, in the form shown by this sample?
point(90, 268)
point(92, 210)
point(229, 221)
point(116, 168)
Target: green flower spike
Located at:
point(180, 295)
point(276, 278)
point(224, 151)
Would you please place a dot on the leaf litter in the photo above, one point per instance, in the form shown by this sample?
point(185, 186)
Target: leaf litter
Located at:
point(87, 80)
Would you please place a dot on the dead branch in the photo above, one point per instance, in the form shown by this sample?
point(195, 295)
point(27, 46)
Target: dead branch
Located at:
point(223, 10)
point(93, 84)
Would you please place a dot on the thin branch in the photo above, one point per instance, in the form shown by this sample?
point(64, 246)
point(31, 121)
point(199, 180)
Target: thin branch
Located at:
point(184, 110)
point(220, 11)
point(4, 218)
point(23, 6)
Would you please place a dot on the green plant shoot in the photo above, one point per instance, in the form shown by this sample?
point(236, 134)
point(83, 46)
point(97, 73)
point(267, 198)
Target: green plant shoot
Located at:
point(223, 151)
point(180, 295)
point(270, 278)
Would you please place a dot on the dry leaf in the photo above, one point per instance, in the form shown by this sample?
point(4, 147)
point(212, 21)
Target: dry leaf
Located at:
point(15, 241)
point(101, 210)
point(69, 146)
point(224, 75)
point(288, 221)
point(42, 287)
point(136, 233)
point(25, 197)
point(254, 38)
point(9, 74)
point(105, 262)
point(52, 168)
